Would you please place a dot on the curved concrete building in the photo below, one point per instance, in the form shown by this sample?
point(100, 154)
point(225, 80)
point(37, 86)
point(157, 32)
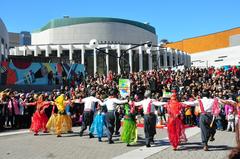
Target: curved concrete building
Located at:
point(82, 30)
point(67, 40)
point(4, 40)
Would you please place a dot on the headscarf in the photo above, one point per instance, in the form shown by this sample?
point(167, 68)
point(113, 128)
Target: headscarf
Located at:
point(60, 102)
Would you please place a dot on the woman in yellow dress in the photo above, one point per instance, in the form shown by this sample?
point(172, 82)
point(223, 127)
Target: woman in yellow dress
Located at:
point(63, 121)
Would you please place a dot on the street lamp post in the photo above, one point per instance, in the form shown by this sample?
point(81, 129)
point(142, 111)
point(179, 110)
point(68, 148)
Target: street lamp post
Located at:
point(122, 60)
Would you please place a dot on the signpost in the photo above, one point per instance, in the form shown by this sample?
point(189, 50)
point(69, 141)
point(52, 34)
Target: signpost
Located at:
point(124, 87)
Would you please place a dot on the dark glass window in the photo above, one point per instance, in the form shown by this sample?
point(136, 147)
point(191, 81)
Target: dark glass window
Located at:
point(101, 63)
point(145, 61)
point(113, 61)
point(89, 62)
point(77, 56)
point(135, 61)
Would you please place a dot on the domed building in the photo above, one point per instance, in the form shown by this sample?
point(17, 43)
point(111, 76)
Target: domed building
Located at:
point(4, 43)
point(67, 40)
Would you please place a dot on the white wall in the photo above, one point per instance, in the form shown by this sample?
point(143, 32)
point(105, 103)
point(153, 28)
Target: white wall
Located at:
point(83, 33)
point(4, 35)
point(234, 40)
point(207, 58)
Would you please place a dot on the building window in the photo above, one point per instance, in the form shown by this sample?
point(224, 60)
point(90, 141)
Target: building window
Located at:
point(89, 62)
point(124, 63)
point(113, 61)
point(155, 61)
point(135, 61)
point(77, 56)
point(53, 53)
point(101, 63)
point(145, 61)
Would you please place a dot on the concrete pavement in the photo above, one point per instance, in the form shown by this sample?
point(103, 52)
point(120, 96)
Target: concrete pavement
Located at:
point(24, 145)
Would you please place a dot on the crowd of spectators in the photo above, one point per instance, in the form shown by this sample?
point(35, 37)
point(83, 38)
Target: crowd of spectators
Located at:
point(189, 83)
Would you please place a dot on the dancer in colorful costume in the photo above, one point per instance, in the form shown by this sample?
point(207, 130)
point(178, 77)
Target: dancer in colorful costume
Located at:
point(51, 124)
point(99, 126)
point(176, 130)
point(129, 133)
point(148, 105)
point(209, 110)
point(39, 118)
point(63, 121)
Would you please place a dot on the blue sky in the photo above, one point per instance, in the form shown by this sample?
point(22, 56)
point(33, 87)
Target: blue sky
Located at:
point(173, 19)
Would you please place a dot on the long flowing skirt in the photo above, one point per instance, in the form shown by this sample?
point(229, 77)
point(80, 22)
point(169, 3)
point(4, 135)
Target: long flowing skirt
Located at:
point(176, 131)
point(39, 121)
point(98, 127)
point(129, 133)
point(51, 124)
point(63, 124)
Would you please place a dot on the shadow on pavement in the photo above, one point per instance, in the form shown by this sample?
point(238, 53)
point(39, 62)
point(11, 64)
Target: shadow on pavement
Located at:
point(198, 146)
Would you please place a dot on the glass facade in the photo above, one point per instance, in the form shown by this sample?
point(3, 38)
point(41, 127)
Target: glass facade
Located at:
point(101, 63)
point(145, 61)
point(77, 56)
point(25, 38)
point(125, 61)
point(155, 60)
point(135, 61)
point(113, 61)
point(89, 62)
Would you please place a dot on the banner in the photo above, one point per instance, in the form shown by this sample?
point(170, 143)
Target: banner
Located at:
point(21, 73)
point(167, 94)
point(124, 87)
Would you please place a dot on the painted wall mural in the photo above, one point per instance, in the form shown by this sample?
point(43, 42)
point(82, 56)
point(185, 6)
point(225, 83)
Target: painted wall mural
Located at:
point(20, 73)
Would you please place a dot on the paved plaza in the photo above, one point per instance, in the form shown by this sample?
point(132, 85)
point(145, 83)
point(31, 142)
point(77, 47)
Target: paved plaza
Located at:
point(23, 145)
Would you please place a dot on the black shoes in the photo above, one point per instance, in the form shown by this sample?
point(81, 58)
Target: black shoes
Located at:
point(110, 142)
point(81, 134)
point(212, 139)
point(148, 145)
point(91, 136)
point(117, 133)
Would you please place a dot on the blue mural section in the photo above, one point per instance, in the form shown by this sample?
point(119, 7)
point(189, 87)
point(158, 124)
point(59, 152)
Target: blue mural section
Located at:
point(20, 73)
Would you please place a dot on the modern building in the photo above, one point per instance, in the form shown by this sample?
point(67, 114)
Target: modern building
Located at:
point(19, 39)
point(14, 39)
point(67, 40)
point(25, 38)
point(4, 43)
point(216, 49)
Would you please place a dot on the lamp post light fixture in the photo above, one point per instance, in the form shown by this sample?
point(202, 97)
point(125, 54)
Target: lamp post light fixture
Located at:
point(122, 60)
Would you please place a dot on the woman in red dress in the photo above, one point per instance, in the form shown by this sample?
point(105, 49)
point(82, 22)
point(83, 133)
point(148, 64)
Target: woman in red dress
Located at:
point(39, 118)
point(176, 130)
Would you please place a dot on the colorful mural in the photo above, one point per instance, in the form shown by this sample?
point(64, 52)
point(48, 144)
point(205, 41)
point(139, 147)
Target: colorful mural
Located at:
point(20, 73)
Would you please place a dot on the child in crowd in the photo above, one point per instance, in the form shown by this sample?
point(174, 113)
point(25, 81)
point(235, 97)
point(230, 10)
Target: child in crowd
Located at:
point(231, 121)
